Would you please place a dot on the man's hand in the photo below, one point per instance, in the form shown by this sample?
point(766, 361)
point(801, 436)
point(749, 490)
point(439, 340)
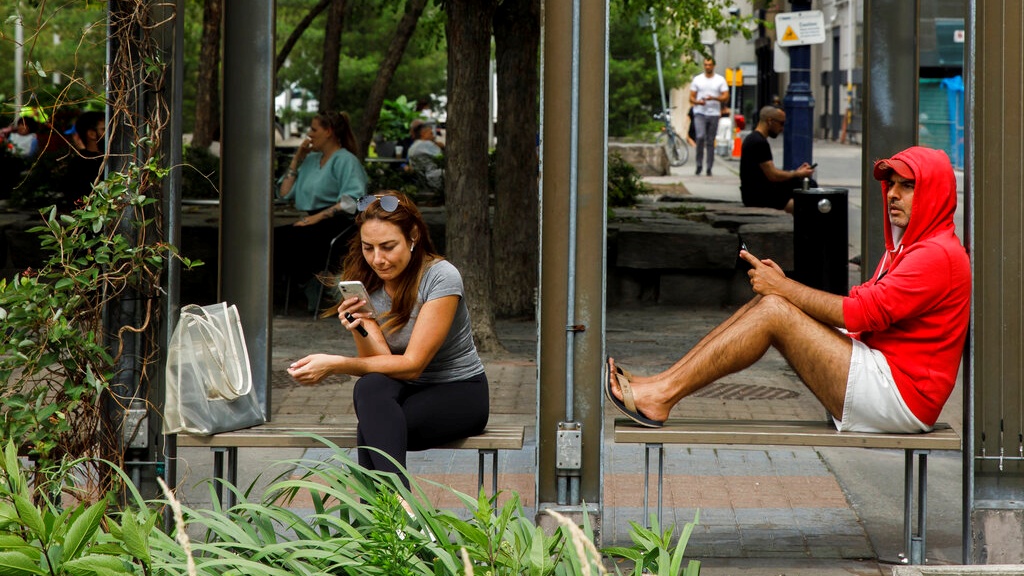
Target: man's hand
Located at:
point(766, 277)
point(804, 171)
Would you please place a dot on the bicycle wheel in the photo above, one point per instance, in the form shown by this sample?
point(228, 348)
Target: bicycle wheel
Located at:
point(675, 148)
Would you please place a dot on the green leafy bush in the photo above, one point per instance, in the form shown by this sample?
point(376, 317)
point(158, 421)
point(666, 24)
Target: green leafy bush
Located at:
point(395, 117)
point(55, 365)
point(363, 522)
point(624, 182)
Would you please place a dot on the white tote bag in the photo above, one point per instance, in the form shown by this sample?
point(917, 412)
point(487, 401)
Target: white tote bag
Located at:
point(209, 381)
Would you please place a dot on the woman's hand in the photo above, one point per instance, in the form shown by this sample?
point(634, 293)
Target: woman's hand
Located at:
point(313, 368)
point(304, 149)
point(309, 220)
point(348, 308)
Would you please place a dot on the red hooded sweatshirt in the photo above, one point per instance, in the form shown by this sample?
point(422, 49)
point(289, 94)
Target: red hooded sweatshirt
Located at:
point(916, 308)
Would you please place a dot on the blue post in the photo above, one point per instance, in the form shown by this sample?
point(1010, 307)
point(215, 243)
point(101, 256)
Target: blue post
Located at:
point(797, 138)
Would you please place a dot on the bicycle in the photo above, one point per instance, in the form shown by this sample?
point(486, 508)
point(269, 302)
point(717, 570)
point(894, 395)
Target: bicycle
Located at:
point(675, 146)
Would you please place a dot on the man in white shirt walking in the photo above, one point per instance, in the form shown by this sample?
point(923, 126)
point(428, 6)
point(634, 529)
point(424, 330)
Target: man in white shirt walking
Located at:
point(707, 93)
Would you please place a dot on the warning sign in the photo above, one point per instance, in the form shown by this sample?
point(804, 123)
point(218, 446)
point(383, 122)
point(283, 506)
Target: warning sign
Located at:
point(800, 28)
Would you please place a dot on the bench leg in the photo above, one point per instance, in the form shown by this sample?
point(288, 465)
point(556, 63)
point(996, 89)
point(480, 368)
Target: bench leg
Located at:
point(481, 453)
point(914, 542)
point(225, 471)
point(661, 481)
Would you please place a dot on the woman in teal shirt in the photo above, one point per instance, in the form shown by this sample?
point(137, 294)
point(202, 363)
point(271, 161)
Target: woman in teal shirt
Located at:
point(324, 179)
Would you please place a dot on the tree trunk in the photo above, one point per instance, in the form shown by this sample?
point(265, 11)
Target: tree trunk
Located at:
point(207, 85)
point(466, 188)
point(286, 48)
point(516, 207)
point(374, 101)
point(332, 55)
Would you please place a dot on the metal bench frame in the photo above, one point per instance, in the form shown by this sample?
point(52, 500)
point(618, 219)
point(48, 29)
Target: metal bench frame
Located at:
point(226, 444)
point(797, 433)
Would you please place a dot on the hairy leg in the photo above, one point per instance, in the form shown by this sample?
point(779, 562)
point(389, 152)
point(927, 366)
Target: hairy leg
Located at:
point(818, 353)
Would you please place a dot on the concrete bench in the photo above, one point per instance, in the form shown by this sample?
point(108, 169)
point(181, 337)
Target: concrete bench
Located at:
point(797, 433)
point(273, 435)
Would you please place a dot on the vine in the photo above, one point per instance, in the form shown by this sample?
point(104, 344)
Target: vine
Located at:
point(63, 363)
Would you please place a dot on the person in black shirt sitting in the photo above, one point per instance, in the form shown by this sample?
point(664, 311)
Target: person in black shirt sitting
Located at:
point(761, 183)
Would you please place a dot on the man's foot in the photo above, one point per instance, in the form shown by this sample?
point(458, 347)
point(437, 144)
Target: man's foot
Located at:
point(619, 378)
point(698, 170)
point(709, 172)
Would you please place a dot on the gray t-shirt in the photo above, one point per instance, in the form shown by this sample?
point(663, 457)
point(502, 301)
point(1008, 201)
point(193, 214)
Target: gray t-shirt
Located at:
point(457, 358)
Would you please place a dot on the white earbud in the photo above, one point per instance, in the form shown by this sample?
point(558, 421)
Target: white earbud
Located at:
point(412, 247)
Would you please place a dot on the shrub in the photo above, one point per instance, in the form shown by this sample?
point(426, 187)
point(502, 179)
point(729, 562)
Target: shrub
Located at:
point(624, 182)
point(55, 359)
point(359, 525)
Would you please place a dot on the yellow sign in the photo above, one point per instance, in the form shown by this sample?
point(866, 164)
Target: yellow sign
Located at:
point(790, 36)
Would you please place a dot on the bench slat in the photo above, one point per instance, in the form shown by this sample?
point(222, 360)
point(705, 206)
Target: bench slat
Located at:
point(779, 433)
point(286, 436)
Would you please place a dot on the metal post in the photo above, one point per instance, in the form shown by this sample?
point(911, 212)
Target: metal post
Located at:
point(247, 164)
point(657, 61)
point(798, 144)
point(19, 61)
point(890, 99)
point(571, 328)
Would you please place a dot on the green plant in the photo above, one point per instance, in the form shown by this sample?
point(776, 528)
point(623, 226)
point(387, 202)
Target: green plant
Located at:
point(395, 117)
point(41, 536)
point(55, 365)
point(363, 522)
point(653, 553)
point(624, 182)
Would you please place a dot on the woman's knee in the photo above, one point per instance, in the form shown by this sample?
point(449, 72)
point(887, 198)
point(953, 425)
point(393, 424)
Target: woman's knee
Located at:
point(373, 387)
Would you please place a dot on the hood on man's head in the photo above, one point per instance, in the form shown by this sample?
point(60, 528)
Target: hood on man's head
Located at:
point(884, 169)
point(934, 203)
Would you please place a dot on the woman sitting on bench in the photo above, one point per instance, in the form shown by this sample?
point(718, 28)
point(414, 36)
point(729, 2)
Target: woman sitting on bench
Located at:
point(421, 382)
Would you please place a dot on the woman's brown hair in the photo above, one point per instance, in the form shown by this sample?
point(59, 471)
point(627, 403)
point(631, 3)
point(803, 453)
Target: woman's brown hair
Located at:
point(406, 216)
point(341, 126)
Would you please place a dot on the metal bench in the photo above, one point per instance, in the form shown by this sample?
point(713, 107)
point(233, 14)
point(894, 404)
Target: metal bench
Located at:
point(797, 433)
point(271, 435)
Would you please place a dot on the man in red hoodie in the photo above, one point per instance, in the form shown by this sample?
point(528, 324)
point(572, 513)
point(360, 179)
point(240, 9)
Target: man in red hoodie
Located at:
point(884, 358)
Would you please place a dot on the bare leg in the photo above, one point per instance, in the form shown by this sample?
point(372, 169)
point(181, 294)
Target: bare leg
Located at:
point(820, 354)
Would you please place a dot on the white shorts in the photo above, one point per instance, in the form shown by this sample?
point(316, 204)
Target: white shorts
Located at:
point(873, 402)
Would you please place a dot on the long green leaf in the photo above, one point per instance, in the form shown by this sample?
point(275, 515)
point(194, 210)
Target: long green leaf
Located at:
point(95, 565)
point(17, 564)
point(82, 529)
point(135, 541)
point(29, 516)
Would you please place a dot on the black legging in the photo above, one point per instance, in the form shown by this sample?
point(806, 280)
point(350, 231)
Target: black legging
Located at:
point(397, 417)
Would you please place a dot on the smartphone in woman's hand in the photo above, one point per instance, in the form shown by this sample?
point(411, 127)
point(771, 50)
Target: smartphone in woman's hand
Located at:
point(355, 288)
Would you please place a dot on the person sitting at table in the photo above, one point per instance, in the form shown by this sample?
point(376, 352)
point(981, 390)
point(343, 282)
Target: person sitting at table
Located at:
point(421, 382)
point(82, 166)
point(423, 156)
point(324, 179)
point(23, 139)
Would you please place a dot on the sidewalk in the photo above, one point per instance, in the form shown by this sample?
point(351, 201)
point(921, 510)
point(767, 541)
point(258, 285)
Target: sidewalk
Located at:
point(762, 511)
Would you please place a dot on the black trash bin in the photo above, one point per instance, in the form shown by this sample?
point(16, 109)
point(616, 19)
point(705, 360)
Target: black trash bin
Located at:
point(820, 239)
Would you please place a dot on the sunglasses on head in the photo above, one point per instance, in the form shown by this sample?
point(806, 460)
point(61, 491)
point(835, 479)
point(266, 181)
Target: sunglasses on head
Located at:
point(388, 203)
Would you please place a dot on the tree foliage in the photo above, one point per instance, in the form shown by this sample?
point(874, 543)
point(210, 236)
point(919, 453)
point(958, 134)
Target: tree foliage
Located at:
point(634, 93)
